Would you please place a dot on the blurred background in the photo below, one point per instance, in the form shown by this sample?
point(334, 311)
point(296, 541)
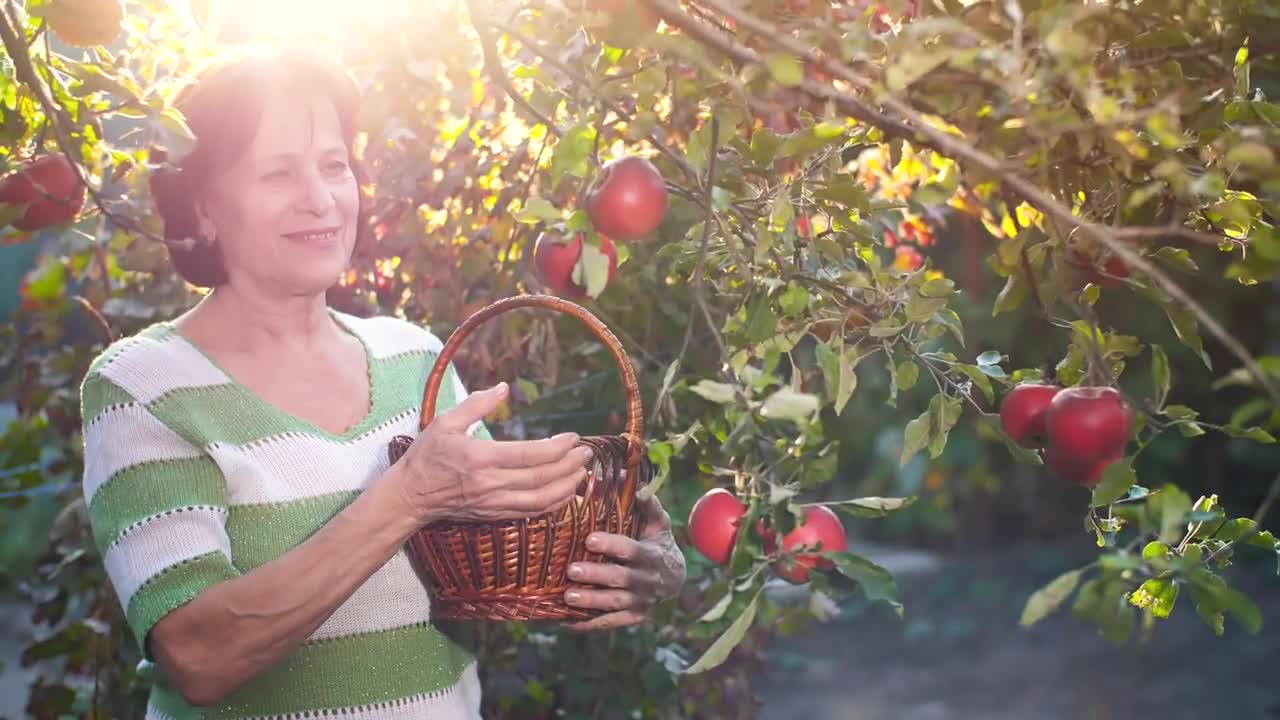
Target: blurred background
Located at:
point(984, 533)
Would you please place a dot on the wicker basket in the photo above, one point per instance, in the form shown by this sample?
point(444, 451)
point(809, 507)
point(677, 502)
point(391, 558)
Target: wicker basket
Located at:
point(518, 569)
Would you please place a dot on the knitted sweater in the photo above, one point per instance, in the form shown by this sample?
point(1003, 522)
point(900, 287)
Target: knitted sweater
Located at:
point(192, 479)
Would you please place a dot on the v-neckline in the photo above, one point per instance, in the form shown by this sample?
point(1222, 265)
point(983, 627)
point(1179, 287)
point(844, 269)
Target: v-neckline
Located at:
point(346, 435)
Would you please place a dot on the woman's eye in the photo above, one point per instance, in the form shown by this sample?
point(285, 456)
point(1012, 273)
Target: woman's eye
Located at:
point(275, 175)
point(336, 166)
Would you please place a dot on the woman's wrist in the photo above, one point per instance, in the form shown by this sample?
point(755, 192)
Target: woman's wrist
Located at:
point(395, 503)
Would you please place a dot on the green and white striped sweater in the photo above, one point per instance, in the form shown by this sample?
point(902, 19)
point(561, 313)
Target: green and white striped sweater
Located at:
point(192, 479)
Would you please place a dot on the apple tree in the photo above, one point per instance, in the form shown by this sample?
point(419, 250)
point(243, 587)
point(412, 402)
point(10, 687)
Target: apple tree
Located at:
point(757, 197)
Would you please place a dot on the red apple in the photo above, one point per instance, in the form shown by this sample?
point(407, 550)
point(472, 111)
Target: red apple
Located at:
point(628, 200)
point(713, 524)
point(821, 531)
point(1088, 424)
point(1022, 413)
point(52, 187)
point(556, 261)
point(1087, 473)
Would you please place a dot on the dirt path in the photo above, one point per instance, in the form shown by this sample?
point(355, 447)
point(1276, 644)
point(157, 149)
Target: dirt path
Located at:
point(960, 655)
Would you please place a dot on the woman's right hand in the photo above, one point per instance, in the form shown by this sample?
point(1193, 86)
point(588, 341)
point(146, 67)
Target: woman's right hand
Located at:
point(448, 474)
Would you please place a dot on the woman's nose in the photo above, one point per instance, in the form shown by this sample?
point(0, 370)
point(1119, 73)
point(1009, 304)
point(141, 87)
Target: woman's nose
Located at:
point(314, 196)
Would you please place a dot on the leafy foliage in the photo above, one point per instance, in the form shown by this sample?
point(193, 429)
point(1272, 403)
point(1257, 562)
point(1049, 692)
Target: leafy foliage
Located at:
point(817, 155)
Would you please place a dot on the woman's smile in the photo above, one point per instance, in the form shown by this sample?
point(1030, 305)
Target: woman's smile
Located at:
point(319, 238)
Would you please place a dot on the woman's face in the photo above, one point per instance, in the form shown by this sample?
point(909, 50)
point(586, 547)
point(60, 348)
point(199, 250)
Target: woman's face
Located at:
point(285, 213)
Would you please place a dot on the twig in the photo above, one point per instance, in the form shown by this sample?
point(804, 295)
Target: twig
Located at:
point(920, 130)
point(1163, 231)
point(548, 58)
point(27, 74)
point(104, 327)
point(699, 272)
point(1272, 493)
point(493, 65)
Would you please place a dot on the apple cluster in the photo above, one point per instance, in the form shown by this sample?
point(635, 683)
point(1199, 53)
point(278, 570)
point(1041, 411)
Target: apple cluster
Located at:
point(1082, 430)
point(713, 531)
point(49, 191)
point(626, 203)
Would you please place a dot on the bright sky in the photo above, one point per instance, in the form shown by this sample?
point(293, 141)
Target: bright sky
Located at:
point(287, 20)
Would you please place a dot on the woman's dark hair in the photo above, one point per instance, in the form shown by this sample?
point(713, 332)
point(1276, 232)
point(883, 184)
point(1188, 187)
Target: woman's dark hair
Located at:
point(223, 104)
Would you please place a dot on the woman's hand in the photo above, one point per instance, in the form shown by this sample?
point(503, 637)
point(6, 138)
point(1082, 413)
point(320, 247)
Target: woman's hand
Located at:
point(649, 571)
point(446, 473)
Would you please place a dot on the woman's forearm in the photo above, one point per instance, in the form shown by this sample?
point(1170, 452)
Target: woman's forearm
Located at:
point(237, 629)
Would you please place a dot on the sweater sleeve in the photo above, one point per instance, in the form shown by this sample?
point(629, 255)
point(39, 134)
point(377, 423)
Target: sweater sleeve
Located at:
point(157, 506)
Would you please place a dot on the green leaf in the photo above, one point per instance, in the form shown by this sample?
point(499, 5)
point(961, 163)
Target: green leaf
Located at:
point(787, 404)
point(908, 373)
point(887, 327)
point(994, 371)
point(876, 582)
point(1188, 331)
point(1207, 606)
point(570, 154)
point(1249, 412)
point(764, 146)
point(846, 192)
point(1157, 595)
point(915, 64)
point(1250, 433)
point(1190, 429)
point(848, 377)
point(1044, 601)
point(980, 379)
point(810, 140)
point(872, 507)
point(1117, 478)
point(1213, 596)
point(938, 288)
point(1154, 549)
point(916, 436)
point(718, 610)
point(830, 364)
point(1160, 374)
point(1119, 562)
point(782, 212)
point(595, 266)
point(536, 210)
point(732, 636)
point(761, 320)
point(716, 392)
point(1011, 295)
point(1170, 506)
point(1235, 529)
point(174, 135)
point(786, 70)
point(1102, 602)
point(794, 300)
point(920, 308)
point(1180, 412)
point(951, 320)
point(1176, 259)
point(990, 357)
point(945, 411)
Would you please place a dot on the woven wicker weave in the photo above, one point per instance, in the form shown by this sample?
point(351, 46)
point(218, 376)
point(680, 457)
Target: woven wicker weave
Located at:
point(518, 569)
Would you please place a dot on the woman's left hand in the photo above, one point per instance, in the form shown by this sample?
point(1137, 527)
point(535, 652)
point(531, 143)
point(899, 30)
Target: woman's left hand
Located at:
point(648, 571)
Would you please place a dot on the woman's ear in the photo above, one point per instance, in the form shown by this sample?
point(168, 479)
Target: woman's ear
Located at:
point(206, 232)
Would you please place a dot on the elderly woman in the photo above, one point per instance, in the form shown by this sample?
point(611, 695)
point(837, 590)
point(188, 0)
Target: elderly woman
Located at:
point(235, 457)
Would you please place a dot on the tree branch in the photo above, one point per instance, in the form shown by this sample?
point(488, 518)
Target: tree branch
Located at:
point(26, 73)
point(493, 65)
point(920, 130)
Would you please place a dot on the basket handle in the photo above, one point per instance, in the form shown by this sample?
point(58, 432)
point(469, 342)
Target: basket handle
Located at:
point(635, 415)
